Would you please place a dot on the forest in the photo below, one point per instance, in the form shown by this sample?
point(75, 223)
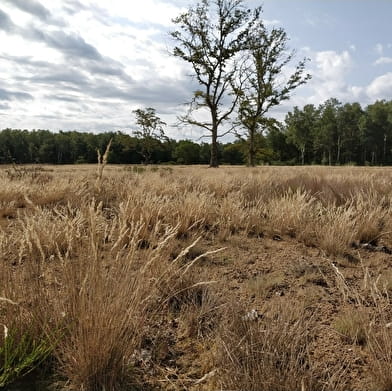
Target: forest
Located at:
point(330, 134)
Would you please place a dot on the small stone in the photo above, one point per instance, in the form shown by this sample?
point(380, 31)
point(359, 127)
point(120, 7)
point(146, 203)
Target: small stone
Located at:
point(145, 355)
point(252, 315)
point(279, 293)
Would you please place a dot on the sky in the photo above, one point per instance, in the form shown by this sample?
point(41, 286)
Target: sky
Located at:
point(86, 64)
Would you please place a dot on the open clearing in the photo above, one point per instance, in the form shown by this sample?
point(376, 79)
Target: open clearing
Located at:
point(189, 278)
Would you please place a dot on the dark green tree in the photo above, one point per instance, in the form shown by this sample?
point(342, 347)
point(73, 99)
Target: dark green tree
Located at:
point(233, 153)
point(328, 137)
point(187, 152)
point(349, 119)
point(149, 133)
point(376, 129)
point(284, 151)
point(301, 125)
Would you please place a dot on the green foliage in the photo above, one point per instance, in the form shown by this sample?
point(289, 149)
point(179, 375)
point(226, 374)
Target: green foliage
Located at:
point(149, 133)
point(301, 126)
point(20, 354)
point(260, 86)
point(277, 141)
point(187, 152)
point(234, 153)
point(340, 134)
point(376, 132)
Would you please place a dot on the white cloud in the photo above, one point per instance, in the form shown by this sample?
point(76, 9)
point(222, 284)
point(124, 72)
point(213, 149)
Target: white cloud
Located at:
point(379, 49)
point(380, 87)
point(330, 80)
point(145, 11)
point(357, 93)
point(332, 65)
point(129, 65)
point(383, 60)
point(330, 70)
point(329, 75)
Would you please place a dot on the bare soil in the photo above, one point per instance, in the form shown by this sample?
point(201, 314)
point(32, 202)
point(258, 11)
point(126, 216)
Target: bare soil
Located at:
point(300, 272)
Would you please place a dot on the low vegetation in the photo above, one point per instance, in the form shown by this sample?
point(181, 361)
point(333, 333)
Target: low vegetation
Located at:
point(272, 278)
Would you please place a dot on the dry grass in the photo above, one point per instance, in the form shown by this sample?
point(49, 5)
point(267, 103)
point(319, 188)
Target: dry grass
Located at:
point(380, 347)
point(351, 326)
point(369, 322)
point(269, 353)
point(265, 285)
point(105, 258)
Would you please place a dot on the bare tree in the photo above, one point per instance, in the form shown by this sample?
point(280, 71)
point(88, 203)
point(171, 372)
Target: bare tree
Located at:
point(211, 36)
point(261, 82)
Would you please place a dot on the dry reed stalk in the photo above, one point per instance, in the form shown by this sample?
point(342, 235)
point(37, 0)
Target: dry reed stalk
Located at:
point(102, 161)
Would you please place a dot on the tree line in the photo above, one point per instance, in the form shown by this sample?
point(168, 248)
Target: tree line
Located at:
point(336, 133)
point(46, 147)
point(331, 133)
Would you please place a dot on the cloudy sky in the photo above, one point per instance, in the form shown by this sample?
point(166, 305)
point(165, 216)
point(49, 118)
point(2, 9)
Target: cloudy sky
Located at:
point(86, 64)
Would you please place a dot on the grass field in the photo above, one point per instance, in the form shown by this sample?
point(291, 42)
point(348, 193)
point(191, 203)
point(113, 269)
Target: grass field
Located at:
point(190, 278)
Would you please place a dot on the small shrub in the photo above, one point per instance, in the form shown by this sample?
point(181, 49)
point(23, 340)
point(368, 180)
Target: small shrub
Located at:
point(201, 315)
point(35, 174)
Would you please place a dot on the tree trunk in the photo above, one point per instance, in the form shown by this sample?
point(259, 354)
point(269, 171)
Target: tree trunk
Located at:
point(338, 153)
point(303, 154)
point(252, 151)
point(214, 148)
point(59, 157)
point(385, 150)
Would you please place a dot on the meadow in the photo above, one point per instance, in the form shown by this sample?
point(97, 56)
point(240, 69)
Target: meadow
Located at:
point(192, 278)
